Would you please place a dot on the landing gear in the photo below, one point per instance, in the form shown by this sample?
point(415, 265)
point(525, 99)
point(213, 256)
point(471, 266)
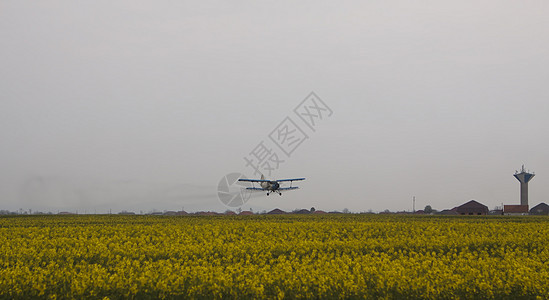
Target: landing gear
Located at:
point(279, 193)
point(267, 194)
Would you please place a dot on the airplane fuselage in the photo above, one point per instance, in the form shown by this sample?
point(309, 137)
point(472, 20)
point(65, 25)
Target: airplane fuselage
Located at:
point(270, 185)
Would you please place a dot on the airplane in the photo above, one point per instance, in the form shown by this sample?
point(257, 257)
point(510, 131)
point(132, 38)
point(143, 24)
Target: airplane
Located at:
point(271, 186)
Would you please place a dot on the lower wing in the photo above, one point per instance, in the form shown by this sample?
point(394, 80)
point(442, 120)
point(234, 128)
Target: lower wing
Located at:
point(280, 189)
point(288, 188)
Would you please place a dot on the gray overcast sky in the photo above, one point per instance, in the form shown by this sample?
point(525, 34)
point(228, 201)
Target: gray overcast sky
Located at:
point(142, 105)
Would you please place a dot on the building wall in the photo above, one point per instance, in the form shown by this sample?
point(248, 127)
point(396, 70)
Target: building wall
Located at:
point(515, 214)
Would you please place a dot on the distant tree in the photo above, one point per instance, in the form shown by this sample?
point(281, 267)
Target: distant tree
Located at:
point(428, 209)
point(313, 209)
point(345, 210)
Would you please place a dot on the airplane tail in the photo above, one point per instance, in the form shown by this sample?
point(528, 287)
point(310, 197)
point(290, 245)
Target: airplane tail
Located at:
point(262, 177)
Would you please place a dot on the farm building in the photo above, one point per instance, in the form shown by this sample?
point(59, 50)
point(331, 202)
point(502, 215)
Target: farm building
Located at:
point(472, 208)
point(540, 209)
point(276, 211)
point(515, 210)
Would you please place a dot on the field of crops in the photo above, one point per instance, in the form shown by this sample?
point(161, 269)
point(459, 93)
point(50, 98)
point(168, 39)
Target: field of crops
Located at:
point(326, 256)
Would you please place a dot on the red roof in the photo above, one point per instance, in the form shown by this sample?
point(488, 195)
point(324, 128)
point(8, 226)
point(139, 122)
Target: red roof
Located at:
point(276, 211)
point(515, 209)
point(246, 213)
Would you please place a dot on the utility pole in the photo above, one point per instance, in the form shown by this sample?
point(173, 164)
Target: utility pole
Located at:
point(414, 205)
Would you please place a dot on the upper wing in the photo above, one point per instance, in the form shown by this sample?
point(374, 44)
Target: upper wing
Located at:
point(255, 189)
point(293, 179)
point(254, 180)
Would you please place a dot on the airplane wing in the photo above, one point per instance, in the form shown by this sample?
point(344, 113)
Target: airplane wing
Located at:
point(288, 188)
point(254, 180)
point(255, 189)
point(294, 179)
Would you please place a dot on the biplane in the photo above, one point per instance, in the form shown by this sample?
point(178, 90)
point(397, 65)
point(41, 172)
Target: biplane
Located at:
point(271, 186)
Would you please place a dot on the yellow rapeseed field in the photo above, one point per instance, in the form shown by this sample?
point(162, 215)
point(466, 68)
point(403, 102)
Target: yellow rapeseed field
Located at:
point(311, 256)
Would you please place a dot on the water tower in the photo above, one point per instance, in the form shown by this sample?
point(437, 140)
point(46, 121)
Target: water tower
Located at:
point(523, 177)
